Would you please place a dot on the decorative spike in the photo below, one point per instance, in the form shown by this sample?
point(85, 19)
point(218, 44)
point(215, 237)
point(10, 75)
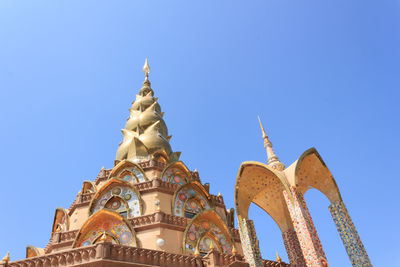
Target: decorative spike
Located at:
point(146, 68)
point(212, 246)
point(169, 137)
point(196, 252)
point(272, 159)
point(6, 258)
point(278, 259)
point(103, 237)
point(162, 114)
point(234, 251)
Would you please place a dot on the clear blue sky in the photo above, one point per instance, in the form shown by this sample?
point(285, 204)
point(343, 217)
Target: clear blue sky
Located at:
point(319, 73)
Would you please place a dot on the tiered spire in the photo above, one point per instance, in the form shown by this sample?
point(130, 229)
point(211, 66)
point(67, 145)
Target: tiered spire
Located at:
point(145, 131)
point(273, 159)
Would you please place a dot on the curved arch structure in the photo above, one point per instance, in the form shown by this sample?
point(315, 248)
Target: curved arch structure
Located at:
point(128, 171)
point(190, 199)
point(61, 221)
point(176, 173)
point(119, 196)
point(106, 222)
point(264, 186)
point(310, 171)
point(205, 228)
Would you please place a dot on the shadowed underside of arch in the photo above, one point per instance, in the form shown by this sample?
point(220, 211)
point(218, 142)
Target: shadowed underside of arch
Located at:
point(258, 183)
point(61, 221)
point(32, 251)
point(109, 223)
point(311, 172)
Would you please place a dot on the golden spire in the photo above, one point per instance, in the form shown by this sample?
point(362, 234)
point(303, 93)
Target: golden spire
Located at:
point(273, 159)
point(145, 132)
point(103, 237)
point(6, 258)
point(278, 259)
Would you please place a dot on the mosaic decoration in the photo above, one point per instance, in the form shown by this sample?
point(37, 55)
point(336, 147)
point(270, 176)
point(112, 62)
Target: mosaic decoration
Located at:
point(293, 248)
point(120, 199)
point(249, 242)
point(132, 175)
point(189, 202)
point(175, 175)
point(116, 231)
point(348, 233)
point(202, 233)
point(306, 233)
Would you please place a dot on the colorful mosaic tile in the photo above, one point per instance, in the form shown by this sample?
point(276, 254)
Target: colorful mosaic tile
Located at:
point(307, 234)
point(293, 248)
point(348, 233)
point(249, 242)
point(189, 202)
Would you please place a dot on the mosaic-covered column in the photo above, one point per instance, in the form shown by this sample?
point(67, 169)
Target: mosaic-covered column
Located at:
point(249, 242)
point(293, 248)
point(350, 238)
point(306, 233)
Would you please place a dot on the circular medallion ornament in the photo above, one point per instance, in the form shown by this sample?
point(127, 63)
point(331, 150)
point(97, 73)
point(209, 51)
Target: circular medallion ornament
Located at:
point(177, 179)
point(127, 197)
point(115, 204)
point(116, 191)
point(125, 238)
point(192, 236)
point(193, 205)
point(127, 177)
point(182, 197)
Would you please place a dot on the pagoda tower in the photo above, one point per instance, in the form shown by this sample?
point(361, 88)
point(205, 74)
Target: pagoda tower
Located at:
point(148, 210)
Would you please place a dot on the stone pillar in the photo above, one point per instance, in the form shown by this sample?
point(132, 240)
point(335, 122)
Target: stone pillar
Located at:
point(348, 233)
point(293, 248)
point(306, 233)
point(249, 242)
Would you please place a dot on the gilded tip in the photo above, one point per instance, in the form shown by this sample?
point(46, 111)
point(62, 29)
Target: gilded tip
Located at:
point(278, 258)
point(146, 68)
point(262, 128)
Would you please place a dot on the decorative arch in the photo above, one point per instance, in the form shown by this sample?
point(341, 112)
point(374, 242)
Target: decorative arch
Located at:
point(129, 172)
point(259, 183)
point(88, 187)
point(190, 199)
point(106, 222)
point(312, 172)
point(32, 251)
point(161, 156)
point(119, 196)
point(61, 221)
point(176, 173)
point(205, 228)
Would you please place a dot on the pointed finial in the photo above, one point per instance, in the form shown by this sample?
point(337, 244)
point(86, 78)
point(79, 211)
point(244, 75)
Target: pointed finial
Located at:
point(273, 159)
point(196, 252)
point(146, 68)
point(6, 258)
point(278, 259)
point(103, 237)
point(234, 251)
point(212, 246)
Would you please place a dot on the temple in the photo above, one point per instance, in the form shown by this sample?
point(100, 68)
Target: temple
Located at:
point(151, 210)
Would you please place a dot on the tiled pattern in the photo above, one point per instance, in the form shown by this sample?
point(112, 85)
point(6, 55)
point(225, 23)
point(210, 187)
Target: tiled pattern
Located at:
point(309, 242)
point(351, 240)
point(293, 248)
point(249, 241)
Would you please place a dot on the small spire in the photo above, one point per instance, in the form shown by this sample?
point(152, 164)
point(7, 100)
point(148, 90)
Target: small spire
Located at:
point(6, 258)
point(103, 237)
point(212, 246)
point(196, 252)
point(273, 159)
point(278, 259)
point(146, 69)
point(234, 251)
